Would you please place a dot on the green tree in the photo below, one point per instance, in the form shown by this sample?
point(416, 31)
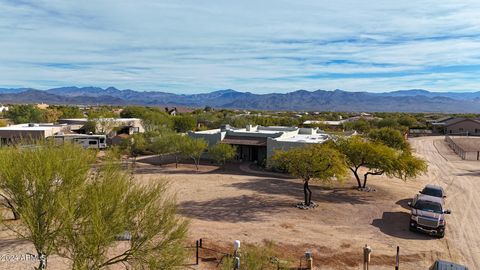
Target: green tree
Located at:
point(388, 136)
point(184, 123)
point(114, 208)
point(361, 126)
point(90, 127)
point(194, 148)
point(314, 162)
point(24, 114)
point(162, 145)
point(51, 115)
point(409, 166)
point(40, 182)
point(407, 121)
point(101, 112)
point(69, 111)
point(221, 153)
point(3, 123)
point(174, 144)
point(134, 112)
point(390, 122)
point(378, 159)
point(156, 121)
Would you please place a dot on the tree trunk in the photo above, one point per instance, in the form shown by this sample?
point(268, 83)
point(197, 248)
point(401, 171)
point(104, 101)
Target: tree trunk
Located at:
point(365, 180)
point(197, 162)
point(176, 162)
point(357, 177)
point(366, 175)
point(307, 192)
point(42, 261)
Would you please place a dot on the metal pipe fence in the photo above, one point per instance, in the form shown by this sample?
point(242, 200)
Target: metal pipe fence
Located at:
point(460, 151)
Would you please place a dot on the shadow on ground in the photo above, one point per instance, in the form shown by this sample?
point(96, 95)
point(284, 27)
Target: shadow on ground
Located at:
point(294, 189)
point(470, 173)
point(234, 209)
point(396, 224)
point(404, 203)
point(167, 166)
point(8, 244)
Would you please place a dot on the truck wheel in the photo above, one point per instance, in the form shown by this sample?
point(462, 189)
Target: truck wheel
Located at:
point(441, 235)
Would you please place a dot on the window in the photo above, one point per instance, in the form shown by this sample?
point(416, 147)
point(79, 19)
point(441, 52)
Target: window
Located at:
point(102, 140)
point(460, 129)
point(92, 142)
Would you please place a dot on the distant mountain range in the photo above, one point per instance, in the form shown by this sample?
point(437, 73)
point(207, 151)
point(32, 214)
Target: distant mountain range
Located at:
point(415, 100)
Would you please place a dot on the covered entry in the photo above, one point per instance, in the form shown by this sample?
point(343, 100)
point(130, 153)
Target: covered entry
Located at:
point(248, 148)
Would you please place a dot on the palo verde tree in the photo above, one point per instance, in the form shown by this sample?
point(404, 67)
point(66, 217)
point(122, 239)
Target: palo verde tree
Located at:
point(194, 148)
point(114, 208)
point(390, 137)
point(184, 123)
point(378, 159)
point(40, 182)
point(222, 153)
point(162, 145)
point(314, 162)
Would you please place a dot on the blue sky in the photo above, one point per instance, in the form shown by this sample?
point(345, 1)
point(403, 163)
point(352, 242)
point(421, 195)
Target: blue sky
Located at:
point(259, 46)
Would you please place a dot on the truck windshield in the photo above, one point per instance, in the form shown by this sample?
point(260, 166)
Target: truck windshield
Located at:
point(432, 192)
point(428, 206)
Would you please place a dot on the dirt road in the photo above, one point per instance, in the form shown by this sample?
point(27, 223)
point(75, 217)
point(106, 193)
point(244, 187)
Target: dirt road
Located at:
point(461, 179)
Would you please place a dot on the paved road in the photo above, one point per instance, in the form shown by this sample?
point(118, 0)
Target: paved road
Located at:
point(461, 179)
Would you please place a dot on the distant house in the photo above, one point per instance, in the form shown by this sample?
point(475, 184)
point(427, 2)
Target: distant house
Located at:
point(171, 111)
point(42, 106)
point(467, 126)
point(3, 108)
point(177, 110)
point(110, 126)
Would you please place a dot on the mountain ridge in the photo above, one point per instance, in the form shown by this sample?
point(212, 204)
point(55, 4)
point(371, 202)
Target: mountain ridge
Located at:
point(412, 100)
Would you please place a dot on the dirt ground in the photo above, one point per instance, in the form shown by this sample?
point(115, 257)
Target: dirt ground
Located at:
point(254, 207)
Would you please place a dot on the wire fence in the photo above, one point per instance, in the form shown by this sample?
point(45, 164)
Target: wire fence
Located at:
point(218, 257)
point(468, 148)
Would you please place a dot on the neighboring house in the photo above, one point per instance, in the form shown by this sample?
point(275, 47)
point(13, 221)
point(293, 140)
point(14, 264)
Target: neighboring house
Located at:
point(177, 110)
point(438, 125)
point(467, 126)
point(42, 106)
point(109, 126)
point(15, 133)
point(3, 108)
point(171, 111)
point(258, 143)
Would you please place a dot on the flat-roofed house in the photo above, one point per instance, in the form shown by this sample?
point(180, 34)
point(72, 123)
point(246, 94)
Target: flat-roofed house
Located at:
point(258, 143)
point(14, 133)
